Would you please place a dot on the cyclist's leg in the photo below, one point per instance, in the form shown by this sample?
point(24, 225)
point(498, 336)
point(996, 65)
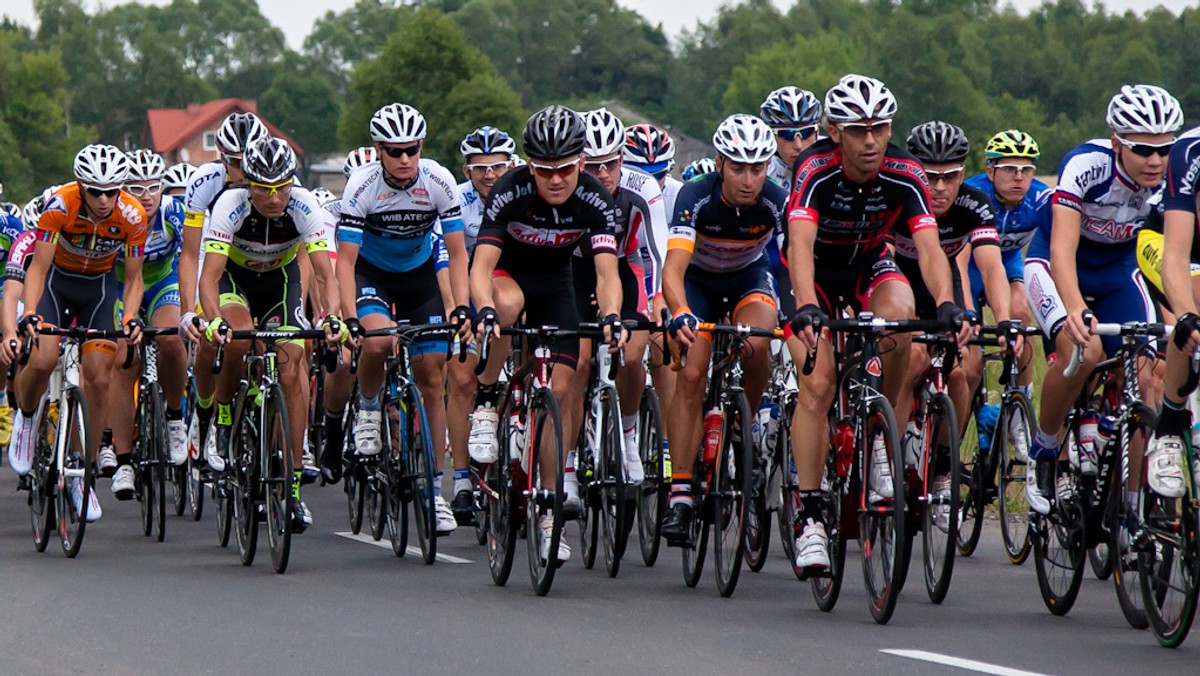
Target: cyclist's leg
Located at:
point(163, 310)
point(757, 306)
point(888, 295)
point(97, 308)
point(1019, 308)
point(926, 308)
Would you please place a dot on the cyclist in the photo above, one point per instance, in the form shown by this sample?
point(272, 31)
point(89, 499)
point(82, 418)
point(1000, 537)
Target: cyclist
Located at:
point(72, 280)
point(11, 228)
point(851, 191)
point(965, 229)
point(640, 219)
point(698, 168)
point(176, 180)
point(1021, 204)
point(251, 272)
point(794, 115)
point(1086, 258)
point(160, 306)
point(533, 219)
point(387, 272)
point(1170, 259)
point(716, 266)
point(208, 181)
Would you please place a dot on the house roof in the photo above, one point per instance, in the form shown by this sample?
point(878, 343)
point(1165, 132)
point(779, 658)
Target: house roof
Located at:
point(170, 128)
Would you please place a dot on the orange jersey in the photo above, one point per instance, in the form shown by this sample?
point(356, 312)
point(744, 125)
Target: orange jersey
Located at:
point(85, 246)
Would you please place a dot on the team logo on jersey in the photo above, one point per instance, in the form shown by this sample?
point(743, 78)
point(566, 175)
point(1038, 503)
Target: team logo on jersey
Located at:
point(420, 192)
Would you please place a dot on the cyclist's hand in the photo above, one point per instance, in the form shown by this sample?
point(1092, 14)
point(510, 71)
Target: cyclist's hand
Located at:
point(133, 329)
point(460, 319)
point(807, 323)
point(656, 307)
point(28, 325)
point(354, 331)
point(217, 330)
point(1079, 326)
point(955, 320)
point(487, 322)
point(1186, 335)
point(191, 327)
point(614, 332)
point(10, 347)
point(335, 331)
point(1004, 328)
point(683, 328)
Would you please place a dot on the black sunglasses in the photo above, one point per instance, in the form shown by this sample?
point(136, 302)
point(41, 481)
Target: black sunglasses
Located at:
point(97, 192)
point(1146, 149)
point(410, 151)
point(804, 133)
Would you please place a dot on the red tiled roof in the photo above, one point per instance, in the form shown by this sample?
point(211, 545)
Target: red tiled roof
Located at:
point(170, 128)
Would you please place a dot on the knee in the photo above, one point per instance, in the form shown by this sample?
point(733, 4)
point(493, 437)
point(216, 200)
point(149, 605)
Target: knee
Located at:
point(816, 391)
point(376, 349)
point(896, 306)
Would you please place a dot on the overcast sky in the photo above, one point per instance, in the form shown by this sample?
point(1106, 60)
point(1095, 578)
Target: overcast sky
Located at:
point(296, 17)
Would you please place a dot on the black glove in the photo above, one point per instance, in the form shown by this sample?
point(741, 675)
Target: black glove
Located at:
point(613, 322)
point(1185, 324)
point(28, 320)
point(133, 322)
point(951, 316)
point(460, 315)
point(353, 327)
point(808, 316)
point(485, 319)
point(1005, 327)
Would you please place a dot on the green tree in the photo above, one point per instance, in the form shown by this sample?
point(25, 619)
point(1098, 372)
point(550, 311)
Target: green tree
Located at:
point(340, 41)
point(813, 63)
point(429, 64)
point(303, 104)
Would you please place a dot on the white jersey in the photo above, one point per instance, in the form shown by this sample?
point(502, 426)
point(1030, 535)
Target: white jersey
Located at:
point(472, 212)
point(253, 241)
point(670, 190)
point(1112, 206)
point(207, 182)
point(780, 172)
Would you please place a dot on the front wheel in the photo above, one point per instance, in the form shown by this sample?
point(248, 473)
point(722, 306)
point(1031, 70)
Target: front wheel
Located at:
point(730, 493)
point(652, 503)
point(418, 454)
point(42, 482)
point(1014, 431)
point(75, 478)
point(939, 526)
point(883, 535)
point(1058, 550)
point(611, 471)
point(544, 502)
point(1169, 562)
point(278, 476)
point(1133, 433)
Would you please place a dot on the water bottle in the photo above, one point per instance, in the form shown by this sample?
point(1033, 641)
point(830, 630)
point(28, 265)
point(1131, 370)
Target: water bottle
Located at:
point(768, 422)
point(712, 435)
point(516, 424)
point(1089, 442)
point(843, 442)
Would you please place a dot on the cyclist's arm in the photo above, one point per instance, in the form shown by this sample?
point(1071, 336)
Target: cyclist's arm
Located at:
point(674, 269)
point(995, 281)
point(1064, 246)
point(802, 235)
point(134, 286)
point(935, 267)
point(215, 260)
point(326, 285)
point(486, 257)
point(460, 286)
point(35, 279)
point(608, 284)
point(1178, 233)
point(8, 306)
point(344, 272)
point(189, 259)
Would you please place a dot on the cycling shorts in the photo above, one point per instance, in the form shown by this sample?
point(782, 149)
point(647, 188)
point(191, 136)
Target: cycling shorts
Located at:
point(838, 288)
point(273, 297)
point(413, 296)
point(549, 301)
point(925, 303)
point(1149, 260)
point(713, 295)
point(86, 300)
point(634, 305)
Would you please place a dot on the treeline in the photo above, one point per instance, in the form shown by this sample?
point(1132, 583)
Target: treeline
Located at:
point(84, 76)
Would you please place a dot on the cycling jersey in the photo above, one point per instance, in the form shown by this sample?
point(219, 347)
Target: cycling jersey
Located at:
point(11, 228)
point(721, 237)
point(969, 221)
point(393, 227)
point(20, 256)
point(1112, 206)
point(258, 243)
point(1016, 223)
point(670, 191)
point(163, 244)
point(472, 213)
point(84, 246)
point(202, 191)
point(854, 219)
point(1182, 184)
point(640, 219)
point(779, 172)
point(536, 236)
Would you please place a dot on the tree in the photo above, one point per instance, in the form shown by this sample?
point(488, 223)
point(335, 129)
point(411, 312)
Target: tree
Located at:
point(340, 41)
point(428, 63)
point(813, 63)
point(304, 105)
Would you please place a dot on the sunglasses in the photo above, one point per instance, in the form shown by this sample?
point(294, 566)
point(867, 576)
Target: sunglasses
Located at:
point(548, 171)
point(141, 190)
point(1015, 169)
point(102, 192)
point(484, 169)
point(608, 166)
point(1147, 149)
point(406, 151)
point(233, 161)
point(861, 129)
point(948, 176)
point(804, 133)
point(270, 190)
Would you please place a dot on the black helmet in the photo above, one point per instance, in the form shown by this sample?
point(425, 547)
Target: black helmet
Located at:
point(938, 143)
point(269, 160)
point(553, 133)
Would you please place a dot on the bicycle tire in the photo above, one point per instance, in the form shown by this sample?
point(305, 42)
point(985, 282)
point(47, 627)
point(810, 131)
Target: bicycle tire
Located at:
point(179, 488)
point(479, 505)
point(159, 460)
point(973, 488)
point(652, 506)
point(587, 475)
point(278, 475)
point(730, 492)
point(1013, 506)
point(391, 473)
point(354, 475)
point(195, 490)
point(316, 410)
point(142, 461)
point(72, 525)
point(938, 548)
point(41, 482)
point(827, 588)
point(1058, 553)
point(419, 467)
point(544, 419)
point(757, 541)
point(613, 505)
point(377, 488)
point(240, 490)
point(883, 534)
point(1134, 430)
point(697, 549)
point(1169, 561)
point(788, 487)
point(499, 491)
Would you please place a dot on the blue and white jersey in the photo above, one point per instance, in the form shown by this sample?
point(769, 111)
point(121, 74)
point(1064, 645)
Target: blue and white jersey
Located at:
point(1016, 223)
point(1111, 205)
point(394, 227)
point(472, 213)
point(1183, 174)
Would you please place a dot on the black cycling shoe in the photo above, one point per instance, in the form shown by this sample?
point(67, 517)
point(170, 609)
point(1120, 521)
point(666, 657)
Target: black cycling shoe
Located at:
point(331, 459)
point(677, 525)
point(301, 517)
point(463, 507)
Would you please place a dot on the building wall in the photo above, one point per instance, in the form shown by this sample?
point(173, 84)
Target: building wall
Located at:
point(193, 151)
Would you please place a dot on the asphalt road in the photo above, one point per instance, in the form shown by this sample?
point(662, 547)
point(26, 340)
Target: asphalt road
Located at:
point(129, 605)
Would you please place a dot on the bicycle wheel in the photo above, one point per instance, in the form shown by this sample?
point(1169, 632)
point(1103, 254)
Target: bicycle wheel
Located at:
point(378, 488)
point(1016, 418)
point(390, 475)
point(731, 493)
point(1058, 551)
point(480, 506)
point(939, 540)
point(419, 466)
point(589, 495)
point(788, 488)
point(241, 490)
point(976, 487)
point(355, 474)
point(152, 441)
point(178, 475)
point(883, 534)
point(757, 540)
point(42, 481)
point(76, 474)
point(828, 587)
point(651, 503)
point(1169, 561)
point(499, 493)
point(1133, 433)
point(316, 409)
point(195, 489)
point(694, 553)
point(278, 476)
point(611, 470)
point(544, 501)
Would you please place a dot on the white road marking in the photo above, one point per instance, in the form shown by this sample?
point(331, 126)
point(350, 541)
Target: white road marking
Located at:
point(969, 665)
point(412, 550)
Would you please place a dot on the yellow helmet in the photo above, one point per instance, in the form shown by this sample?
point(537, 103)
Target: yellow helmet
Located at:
point(1012, 143)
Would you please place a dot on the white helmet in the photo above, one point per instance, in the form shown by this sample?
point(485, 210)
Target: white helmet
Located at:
point(322, 195)
point(33, 211)
point(858, 97)
point(11, 208)
point(397, 123)
point(238, 131)
point(101, 165)
point(357, 158)
point(145, 165)
point(604, 132)
point(744, 138)
point(487, 140)
point(178, 175)
point(1144, 109)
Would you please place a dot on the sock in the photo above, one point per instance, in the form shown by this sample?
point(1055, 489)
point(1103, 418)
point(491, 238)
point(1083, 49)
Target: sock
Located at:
point(373, 403)
point(106, 437)
point(437, 484)
point(224, 414)
point(629, 422)
point(296, 484)
point(174, 413)
point(1173, 419)
point(462, 480)
point(124, 459)
point(205, 402)
point(569, 471)
point(812, 506)
point(1132, 502)
point(487, 395)
point(1046, 441)
point(681, 490)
